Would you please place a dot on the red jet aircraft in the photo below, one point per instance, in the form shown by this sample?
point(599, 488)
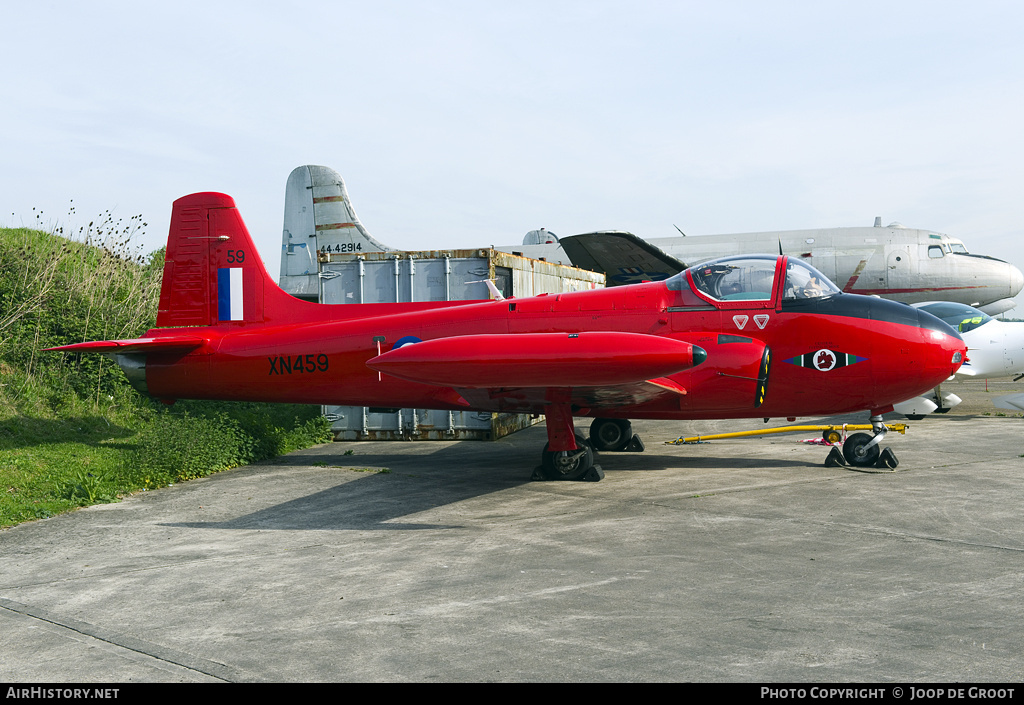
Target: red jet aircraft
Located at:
point(740, 337)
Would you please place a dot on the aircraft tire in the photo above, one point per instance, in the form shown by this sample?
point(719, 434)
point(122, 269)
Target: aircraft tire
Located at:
point(857, 453)
point(557, 467)
point(610, 435)
point(831, 436)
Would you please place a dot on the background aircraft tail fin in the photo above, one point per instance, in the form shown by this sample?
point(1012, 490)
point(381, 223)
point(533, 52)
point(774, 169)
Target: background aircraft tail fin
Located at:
point(212, 271)
point(623, 257)
point(318, 218)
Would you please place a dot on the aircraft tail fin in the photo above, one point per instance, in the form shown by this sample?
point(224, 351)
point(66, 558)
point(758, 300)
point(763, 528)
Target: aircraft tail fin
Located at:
point(214, 276)
point(212, 272)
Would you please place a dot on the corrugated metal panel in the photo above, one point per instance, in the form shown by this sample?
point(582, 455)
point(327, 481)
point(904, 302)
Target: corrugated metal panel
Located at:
point(444, 275)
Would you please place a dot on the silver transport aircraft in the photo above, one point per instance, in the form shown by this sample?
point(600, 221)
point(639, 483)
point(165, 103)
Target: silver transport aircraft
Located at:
point(893, 262)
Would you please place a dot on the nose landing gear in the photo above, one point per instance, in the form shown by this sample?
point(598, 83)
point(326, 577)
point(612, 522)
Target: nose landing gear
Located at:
point(863, 450)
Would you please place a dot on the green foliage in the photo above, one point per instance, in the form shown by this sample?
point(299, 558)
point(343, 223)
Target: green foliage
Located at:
point(276, 428)
point(55, 291)
point(73, 432)
point(203, 438)
point(183, 447)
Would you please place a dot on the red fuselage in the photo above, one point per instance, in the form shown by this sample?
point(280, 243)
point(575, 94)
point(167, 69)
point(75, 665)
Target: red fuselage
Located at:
point(841, 354)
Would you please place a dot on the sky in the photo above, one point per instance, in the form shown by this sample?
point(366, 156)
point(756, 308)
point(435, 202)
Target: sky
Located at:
point(465, 124)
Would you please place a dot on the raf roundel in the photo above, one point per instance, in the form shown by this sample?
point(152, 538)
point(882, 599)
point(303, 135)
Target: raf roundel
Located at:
point(407, 340)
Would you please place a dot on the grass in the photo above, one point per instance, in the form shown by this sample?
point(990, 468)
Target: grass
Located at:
point(72, 431)
point(59, 462)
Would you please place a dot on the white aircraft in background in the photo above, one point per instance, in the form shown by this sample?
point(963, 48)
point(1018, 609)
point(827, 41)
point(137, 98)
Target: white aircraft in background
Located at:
point(893, 262)
point(994, 349)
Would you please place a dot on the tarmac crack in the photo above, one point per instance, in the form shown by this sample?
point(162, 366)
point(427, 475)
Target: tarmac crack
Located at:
point(907, 535)
point(135, 645)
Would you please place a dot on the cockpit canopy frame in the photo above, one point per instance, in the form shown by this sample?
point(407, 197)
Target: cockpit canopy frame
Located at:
point(753, 281)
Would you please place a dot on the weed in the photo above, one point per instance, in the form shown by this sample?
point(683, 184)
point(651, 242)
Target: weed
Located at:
point(82, 488)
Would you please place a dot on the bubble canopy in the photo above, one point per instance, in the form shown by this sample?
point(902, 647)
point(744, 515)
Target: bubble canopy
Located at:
point(959, 316)
point(752, 278)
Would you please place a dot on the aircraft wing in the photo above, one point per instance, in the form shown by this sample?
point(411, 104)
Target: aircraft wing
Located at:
point(1013, 402)
point(623, 257)
point(532, 399)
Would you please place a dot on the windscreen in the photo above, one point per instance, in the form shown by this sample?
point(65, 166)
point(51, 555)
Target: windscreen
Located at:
point(805, 282)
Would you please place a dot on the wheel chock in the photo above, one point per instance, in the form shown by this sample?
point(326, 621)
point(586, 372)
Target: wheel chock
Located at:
point(835, 459)
point(887, 459)
point(635, 445)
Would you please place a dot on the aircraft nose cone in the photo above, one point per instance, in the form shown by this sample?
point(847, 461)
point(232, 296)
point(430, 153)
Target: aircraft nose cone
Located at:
point(1016, 281)
point(952, 345)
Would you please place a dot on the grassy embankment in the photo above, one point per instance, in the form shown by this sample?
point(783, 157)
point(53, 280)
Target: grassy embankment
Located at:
point(72, 431)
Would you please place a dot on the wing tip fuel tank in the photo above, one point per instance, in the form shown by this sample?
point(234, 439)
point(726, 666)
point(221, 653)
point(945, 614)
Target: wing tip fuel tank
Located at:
point(539, 359)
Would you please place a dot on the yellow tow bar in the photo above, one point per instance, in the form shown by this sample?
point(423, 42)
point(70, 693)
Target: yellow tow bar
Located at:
point(898, 427)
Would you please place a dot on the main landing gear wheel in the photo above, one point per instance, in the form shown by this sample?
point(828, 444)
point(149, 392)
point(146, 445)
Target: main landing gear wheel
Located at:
point(568, 464)
point(858, 450)
point(611, 434)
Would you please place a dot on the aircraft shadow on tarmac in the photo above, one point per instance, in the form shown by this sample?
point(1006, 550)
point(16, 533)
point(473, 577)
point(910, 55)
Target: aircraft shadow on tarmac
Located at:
point(371, 499)
point(650, 461)
point(429, 480)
